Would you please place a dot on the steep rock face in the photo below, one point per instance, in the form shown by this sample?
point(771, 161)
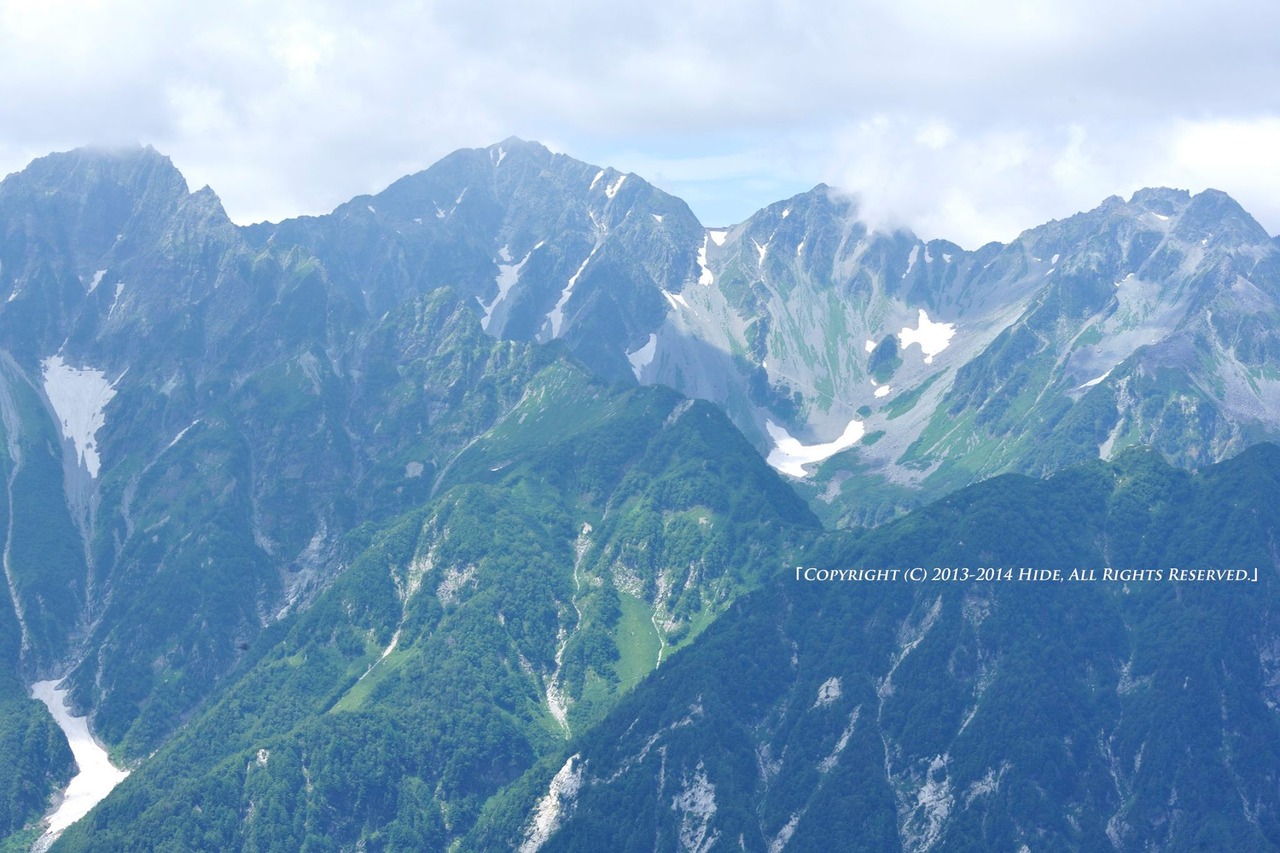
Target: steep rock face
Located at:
point(953, 715)
point(1136, 323)
point(922, 366)
point(203, 443)
point(140, 317)
point(547, 247)
point(225, 415)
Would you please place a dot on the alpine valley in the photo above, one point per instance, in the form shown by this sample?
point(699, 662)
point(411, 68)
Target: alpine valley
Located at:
point(468, 515)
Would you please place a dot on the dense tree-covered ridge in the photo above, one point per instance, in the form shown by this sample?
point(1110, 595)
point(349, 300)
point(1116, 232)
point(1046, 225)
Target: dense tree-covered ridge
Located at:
point(970, 715)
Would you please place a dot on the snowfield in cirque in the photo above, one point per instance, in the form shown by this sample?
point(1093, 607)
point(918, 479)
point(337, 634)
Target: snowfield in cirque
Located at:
point(79, 396)
point(932, 337)
point(790, 456)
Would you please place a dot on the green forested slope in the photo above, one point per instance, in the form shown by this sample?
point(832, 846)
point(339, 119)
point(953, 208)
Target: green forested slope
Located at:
point(591, 532)
point(969, 715)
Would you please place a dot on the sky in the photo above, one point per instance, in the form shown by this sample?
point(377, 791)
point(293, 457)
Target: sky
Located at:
point(970, 121)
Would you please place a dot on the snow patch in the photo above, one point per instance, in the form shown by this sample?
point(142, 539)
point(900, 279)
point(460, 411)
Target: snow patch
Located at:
point(96, 775)
point(79, 397)
point(502, 155)
point(718, 235)
point(911, 259)
point(870, 346)
point(1054, 260)
point(371, 210)
point(883, 391)
point(656, 217)
point(786, 213)
point(179, 436)
point(1096, 379)
point(613, 188)
point(97, 280)
point(1161, 217)
point(115, 301)
point(932, 337)
point(643, 357)
point(761, 250)
point(705, 275)
point(596, 180)
point(789, 456)
point(676, 300)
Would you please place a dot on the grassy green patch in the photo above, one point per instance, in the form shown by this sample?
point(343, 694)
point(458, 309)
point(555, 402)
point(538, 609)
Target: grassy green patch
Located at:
point(356, 697)
point(940, 426)
point(637, 640)
point(1089, 337)
point(21, 841)
point(904, 403)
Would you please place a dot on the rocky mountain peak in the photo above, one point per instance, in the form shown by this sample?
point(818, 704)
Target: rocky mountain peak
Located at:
point(1217, 218)
point(1163, 200)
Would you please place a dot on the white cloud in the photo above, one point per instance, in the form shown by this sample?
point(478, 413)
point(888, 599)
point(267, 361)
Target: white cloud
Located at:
point(965, 120)
point(1239, 156)
point(992, 183)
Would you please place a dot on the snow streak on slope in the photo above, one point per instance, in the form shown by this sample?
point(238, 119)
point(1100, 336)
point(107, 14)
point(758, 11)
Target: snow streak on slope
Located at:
point(508, 275)
point(96, 776)
point(705, 276)
point(556, 317)
point(79, 397)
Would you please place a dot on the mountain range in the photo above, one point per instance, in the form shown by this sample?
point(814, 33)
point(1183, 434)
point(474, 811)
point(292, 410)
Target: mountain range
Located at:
point(1139, 323)
point(345, 530)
